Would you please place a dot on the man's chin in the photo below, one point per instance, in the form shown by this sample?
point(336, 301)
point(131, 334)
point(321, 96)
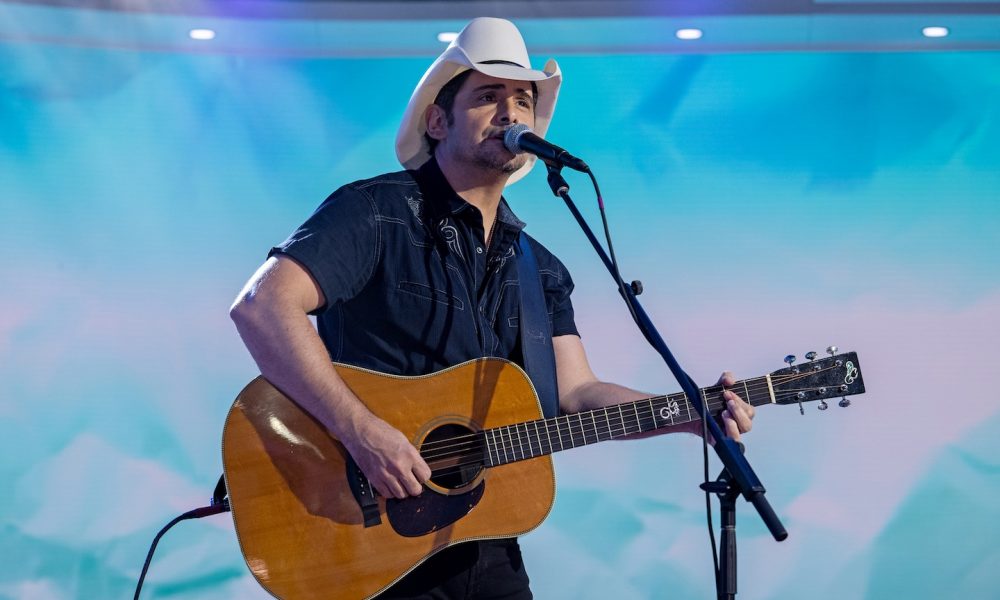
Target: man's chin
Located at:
point(501, 163)
point(515, 163)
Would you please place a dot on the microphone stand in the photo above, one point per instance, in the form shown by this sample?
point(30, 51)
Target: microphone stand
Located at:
point(727, 493)
point(737, 477)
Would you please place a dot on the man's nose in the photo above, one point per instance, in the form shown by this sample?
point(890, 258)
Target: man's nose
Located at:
point(506, 112)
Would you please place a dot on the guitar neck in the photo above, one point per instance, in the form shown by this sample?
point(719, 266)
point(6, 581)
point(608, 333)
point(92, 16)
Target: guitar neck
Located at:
point(529, 439)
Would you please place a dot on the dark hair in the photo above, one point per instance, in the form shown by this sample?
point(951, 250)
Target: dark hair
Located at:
point(446, 100)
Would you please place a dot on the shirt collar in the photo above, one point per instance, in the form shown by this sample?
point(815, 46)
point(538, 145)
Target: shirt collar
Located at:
point(443, 200)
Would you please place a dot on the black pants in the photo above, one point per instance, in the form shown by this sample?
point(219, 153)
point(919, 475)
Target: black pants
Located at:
point(487, 570)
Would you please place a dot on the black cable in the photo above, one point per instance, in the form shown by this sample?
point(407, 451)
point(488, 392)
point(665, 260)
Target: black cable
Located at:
point(205, 511)
point(704, 421)
point(611, 249)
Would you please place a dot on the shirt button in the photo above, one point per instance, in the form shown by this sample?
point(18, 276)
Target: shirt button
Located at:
point(479, 249)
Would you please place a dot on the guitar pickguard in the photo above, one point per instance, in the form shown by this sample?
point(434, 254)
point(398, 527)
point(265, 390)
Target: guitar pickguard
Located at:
point(430, 511)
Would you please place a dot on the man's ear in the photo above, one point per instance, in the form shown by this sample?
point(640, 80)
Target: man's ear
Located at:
point(436, 121)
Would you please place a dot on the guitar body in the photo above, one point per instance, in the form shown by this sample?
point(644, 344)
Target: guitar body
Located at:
point(300, 525)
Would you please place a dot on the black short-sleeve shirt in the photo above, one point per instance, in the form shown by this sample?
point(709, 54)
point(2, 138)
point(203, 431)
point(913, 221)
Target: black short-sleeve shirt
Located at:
point(410, 286)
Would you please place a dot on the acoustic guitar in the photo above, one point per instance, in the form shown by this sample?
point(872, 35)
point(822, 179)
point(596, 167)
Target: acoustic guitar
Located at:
point(310, 525)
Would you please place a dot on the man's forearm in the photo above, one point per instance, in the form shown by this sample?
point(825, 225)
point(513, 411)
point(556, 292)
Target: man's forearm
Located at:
point(290, 354)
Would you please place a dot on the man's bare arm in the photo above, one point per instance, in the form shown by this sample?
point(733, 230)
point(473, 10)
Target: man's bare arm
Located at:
point(271, 315)
point(580, 389)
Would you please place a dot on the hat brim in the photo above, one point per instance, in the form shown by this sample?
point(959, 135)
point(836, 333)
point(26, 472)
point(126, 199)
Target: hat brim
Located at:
point(412, 149)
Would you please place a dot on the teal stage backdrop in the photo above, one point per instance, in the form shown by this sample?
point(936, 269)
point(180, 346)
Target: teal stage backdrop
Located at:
point(772, 203)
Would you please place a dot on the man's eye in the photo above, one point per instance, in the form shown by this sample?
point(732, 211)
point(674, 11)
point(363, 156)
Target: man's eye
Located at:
point(486, 97)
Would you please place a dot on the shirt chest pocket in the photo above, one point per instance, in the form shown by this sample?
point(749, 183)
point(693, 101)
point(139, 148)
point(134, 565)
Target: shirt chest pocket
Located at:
point(430, 293)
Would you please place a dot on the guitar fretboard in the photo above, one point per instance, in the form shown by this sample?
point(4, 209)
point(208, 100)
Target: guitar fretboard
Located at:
point(522, 441)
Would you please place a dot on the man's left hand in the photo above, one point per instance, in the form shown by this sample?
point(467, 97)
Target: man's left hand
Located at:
point(737, 418)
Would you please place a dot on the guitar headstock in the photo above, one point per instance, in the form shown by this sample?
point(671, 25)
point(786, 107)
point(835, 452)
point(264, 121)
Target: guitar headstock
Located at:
point(836, 376)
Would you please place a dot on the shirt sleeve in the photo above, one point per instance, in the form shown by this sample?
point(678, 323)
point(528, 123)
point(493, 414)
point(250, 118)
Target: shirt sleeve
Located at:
point(337, 245)
point(557, 284)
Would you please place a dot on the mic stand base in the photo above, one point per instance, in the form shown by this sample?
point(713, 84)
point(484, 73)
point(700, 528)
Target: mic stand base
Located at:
point(727, 493)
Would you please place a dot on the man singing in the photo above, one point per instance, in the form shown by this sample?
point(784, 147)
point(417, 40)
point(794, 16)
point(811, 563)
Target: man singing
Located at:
point(412, 272)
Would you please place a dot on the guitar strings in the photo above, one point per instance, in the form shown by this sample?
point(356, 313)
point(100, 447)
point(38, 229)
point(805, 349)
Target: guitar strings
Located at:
point(671, 397)
point(510, 453)
point(759, 385)
point(512, 437)
point(507, 452)
point(575, 426)
point(440, 449)
point(472, 445)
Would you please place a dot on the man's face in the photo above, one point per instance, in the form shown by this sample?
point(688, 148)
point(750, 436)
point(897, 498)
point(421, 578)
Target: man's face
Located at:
point(484, 108)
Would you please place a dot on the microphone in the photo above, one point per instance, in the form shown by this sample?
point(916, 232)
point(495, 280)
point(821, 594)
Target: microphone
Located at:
point(519, 138)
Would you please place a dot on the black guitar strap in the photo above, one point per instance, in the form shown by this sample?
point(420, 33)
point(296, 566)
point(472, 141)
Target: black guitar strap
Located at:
point(220, 493)
point(536, 332)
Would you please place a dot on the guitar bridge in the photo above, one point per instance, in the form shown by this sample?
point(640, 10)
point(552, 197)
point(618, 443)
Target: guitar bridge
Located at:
point(363, 493)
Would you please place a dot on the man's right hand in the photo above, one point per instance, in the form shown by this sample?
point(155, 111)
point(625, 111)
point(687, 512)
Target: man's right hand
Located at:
point(392, 464)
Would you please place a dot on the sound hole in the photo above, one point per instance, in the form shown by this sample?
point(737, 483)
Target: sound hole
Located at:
point(455, 455)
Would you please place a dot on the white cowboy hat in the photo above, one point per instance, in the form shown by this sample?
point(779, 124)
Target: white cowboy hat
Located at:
point(493, 47)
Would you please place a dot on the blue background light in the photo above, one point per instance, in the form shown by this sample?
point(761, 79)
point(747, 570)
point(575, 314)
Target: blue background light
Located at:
point(771, 202)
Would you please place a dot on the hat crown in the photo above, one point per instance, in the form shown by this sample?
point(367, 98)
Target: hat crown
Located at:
point(490, 39)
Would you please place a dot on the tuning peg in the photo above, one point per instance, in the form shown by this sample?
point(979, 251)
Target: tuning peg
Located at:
point(790, 359)
point(823, 405)
point(811, 355)
point(844, 403)
point(831, 350)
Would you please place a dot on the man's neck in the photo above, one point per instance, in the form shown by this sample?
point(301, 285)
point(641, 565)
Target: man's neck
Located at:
point(479, 187)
